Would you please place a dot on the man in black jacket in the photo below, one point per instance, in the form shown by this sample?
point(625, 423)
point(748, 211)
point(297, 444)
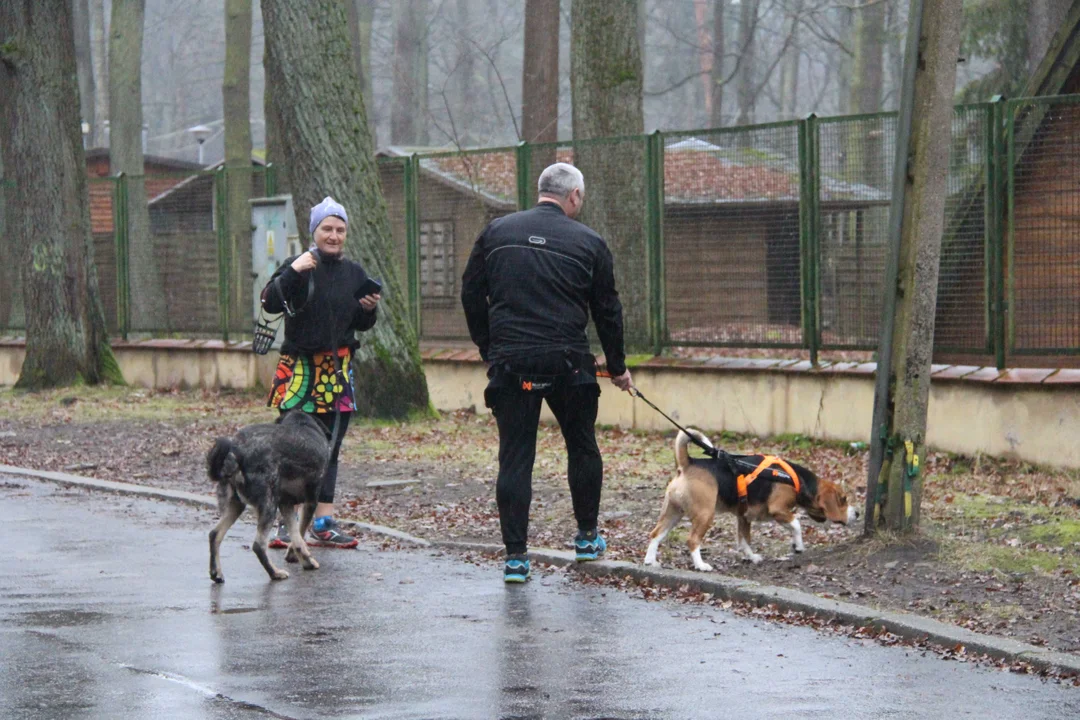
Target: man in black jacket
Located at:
point(530, 284)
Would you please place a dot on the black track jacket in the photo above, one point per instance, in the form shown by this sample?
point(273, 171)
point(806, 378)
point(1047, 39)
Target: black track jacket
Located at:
point(530, 283)
point(328, 320)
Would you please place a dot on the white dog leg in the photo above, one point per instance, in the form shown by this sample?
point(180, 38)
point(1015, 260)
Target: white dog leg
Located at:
point(699, 564)
point(796, 535)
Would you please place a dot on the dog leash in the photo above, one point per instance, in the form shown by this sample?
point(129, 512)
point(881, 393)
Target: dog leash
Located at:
point(713, 452)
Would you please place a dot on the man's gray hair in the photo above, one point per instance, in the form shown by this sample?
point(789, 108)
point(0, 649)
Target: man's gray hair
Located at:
point(560, 180)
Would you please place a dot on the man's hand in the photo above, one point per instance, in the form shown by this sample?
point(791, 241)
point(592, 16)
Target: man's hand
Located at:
point(624, 381)
point(368, 302)
point(304, 262)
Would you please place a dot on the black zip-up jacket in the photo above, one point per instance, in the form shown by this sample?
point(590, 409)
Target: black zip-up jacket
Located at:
point(328, 320)
point(531, 282)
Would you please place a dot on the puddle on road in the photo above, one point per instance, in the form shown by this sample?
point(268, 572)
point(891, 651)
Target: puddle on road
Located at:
point(61, 618)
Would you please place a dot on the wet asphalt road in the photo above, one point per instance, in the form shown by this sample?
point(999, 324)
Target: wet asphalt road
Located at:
point(106, 611)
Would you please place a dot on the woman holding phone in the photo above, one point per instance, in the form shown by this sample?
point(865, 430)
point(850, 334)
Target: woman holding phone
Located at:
point(326, 298)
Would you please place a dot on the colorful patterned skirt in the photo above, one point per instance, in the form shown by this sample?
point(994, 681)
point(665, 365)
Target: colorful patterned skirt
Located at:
point(308, 383)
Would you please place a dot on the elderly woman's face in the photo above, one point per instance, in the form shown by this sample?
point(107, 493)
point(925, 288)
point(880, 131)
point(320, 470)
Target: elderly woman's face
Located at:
point(330, 236)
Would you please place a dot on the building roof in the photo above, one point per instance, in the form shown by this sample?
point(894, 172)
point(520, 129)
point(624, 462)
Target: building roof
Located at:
point(696, 172)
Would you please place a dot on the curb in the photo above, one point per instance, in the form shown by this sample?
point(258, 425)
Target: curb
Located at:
point(909, 627)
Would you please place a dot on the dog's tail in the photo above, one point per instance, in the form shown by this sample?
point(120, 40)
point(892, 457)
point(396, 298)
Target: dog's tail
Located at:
point(223, 460)
point(682, 455)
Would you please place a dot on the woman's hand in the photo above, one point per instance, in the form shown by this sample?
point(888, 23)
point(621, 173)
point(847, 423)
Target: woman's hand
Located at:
point(368, 302)
point(304, 262)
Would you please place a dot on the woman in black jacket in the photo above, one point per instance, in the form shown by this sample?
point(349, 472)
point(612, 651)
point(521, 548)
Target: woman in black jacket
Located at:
point(319, 292)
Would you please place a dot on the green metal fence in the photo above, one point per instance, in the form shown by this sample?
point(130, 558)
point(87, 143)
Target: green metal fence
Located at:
point(770, 236)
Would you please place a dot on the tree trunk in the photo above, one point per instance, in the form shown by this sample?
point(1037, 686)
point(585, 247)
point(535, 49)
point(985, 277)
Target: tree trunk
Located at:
point(606, 85)
point(718, 65)
point(540, 80)
point(84, 65)
point(864, 145)
point(11, 313)
point(99, 54)
point(361, 14)
point(148, 307)
point(789, 71)
point(1045, 18)
point(461, 102)
point(236, 89)
point(275, 154)
point(920, 253)
point(748, 18)
point(329, 152)
point(48, 208)
point(409, 114)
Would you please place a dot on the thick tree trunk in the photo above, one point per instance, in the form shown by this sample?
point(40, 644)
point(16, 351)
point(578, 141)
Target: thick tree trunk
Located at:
point(540, 80)
point(10, 293)
point(99, 54)
point(275, 154)
point(84, 64)
point(236, 89)
point(716, 86)
point(606, 85)
point(920, 255)
point(1045, 18)
point(148, 306)
point(361, 15)
point(328, 151)
point(748, 20)
point(409, 114)
point(48, 209)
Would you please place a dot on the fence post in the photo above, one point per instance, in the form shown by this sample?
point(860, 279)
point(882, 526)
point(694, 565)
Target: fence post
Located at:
point(412, 237)
point(995, 223)
point(654, 237)
point(123, 273)
point(270, 180)
point(220, 179)
point(522, 162)
point(809, 222)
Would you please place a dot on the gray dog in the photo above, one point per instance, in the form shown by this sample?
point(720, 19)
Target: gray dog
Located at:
point(271, 467)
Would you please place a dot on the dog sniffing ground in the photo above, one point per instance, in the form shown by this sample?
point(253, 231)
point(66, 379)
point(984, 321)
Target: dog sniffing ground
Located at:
point(1000, 550)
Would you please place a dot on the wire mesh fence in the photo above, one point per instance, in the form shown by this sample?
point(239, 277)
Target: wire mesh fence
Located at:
point(1044, 225)
point(731, 245)
point(765, 236)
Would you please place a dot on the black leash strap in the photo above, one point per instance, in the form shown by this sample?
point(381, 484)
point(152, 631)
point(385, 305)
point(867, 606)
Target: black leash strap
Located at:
point(713, 452)
point(709, 450)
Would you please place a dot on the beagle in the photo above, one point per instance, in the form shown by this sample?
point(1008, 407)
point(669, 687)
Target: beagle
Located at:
point(749, 486)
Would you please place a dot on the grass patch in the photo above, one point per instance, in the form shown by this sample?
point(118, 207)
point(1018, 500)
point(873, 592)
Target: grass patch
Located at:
point(989, 557)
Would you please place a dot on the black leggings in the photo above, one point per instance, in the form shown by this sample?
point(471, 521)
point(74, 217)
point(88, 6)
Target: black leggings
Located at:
point(518, 414)
point(326, 493)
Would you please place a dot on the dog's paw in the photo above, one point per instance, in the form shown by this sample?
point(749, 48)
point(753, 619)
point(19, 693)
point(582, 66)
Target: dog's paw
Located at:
point(219, 578)
point(651, 561)
point(704, 567)
point(280, 575)
point(754, 558)
point(798, 548)
point(311, 564)
point(290, 556)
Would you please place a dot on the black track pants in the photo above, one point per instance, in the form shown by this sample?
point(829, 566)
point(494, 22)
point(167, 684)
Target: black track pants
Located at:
point(518, 414)
point(326, 492)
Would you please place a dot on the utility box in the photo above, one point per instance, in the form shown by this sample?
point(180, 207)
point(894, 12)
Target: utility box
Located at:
point(273, 239)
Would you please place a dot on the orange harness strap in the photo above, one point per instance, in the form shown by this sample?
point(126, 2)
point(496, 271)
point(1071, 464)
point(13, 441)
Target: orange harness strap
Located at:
point(743, 481)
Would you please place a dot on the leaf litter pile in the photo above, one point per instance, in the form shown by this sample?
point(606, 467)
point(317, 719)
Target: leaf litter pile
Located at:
point(999, 551)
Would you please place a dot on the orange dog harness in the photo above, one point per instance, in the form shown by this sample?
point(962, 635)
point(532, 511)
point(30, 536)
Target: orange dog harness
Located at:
point(743, 481)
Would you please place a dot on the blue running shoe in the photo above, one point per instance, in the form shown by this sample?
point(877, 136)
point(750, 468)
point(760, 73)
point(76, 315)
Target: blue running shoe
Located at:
point(516, 569)
point(589, 545)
